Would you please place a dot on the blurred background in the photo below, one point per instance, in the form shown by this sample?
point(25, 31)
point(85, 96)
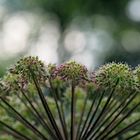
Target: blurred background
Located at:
point(91, 32)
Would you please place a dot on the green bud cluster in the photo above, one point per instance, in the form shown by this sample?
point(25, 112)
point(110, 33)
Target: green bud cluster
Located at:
point(14, 82)
point(27, 65)
point(2, 86)
point(71, 71)
point(50, 69)
point(11, 82)
point(137, 76)
point(108, 74)
point(20, 75)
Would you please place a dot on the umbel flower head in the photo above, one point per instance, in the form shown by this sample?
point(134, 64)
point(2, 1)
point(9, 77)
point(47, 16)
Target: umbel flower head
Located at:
point(20, 75)
point(26, 65)
point(50, 69)
point(108, 74)
point(2, 86)
point(137, 75)
point(71, 71)
point(12, 83)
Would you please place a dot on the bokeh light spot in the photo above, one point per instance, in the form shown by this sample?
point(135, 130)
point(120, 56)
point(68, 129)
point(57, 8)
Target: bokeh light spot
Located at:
point(131, 41)
point(15, 35)
point(75, 41)
point(133, 10)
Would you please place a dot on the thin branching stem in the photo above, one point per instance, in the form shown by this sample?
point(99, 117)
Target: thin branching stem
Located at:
point(63, 117)
point(117, 124)
point(14, 132)
point(39, 117)
point(73, 111)
point(88, 115)
point(46, 106)
point(101, 113)
point(93, 115)
point(81, 117)
point(134, 135)
point(124, 130)
point(24, 121)
point(105, 120)
point(58, 109)
point(116, 116)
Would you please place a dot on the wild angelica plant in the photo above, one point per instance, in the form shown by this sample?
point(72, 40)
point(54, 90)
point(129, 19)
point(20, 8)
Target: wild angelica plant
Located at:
point(67, 102)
